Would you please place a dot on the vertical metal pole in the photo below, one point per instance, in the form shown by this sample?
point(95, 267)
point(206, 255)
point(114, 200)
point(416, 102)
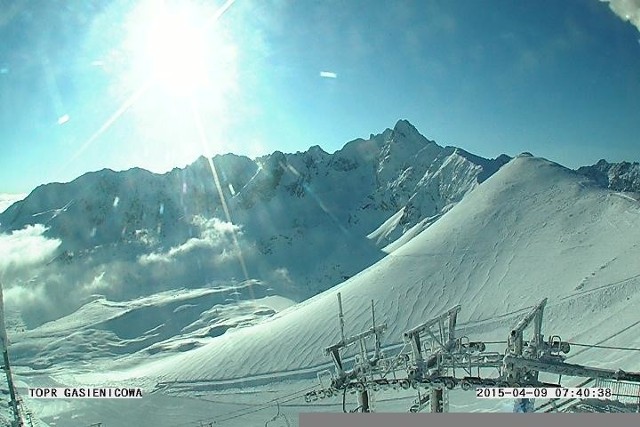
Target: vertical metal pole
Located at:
point(373, 316)
point(452, 326)
point(341, 314)
point(376, 354)
point(416, 347)
point(537, 328)
point(364, 401)
point(4, 345)
point(523, 405)
point(436, 400)
point(363, 354)
point(337, 360)
point(519, 343)
point(12, 391)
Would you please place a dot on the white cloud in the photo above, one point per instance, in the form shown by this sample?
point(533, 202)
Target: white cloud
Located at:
point(7, 200)
point(215, 228)
point(26, 247)
point(214, 233)
point(63, 119)
point(20, 254)
point(98, 283)
point(628, 10)
point(186, 247)
point(282, 275)
point(328, 74)
point(20, 296)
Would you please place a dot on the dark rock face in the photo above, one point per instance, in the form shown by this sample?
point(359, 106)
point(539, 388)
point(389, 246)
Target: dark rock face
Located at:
point(624, 176)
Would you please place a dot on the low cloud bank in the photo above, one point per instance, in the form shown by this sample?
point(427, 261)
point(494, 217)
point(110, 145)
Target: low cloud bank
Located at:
point(7, 200)
point(25, 248)
point(214, 234)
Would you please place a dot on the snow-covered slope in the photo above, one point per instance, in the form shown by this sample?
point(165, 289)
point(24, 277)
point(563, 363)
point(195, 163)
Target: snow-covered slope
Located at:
point(164, 323)
point(535, 229)
point(299, 222)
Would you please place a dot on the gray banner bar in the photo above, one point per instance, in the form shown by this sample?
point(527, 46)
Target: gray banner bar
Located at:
point(319, 419)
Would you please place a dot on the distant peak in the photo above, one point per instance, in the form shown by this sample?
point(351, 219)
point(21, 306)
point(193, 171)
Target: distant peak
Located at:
point(201, 160)
point(316, 149)
point(503, 158)
point(404, 126)
point(404, 130)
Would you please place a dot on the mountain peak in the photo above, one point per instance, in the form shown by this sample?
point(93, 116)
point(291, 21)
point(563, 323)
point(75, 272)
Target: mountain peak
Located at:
point(406, 129)
point(316, 150)
point(404, 124)
point(623, 176)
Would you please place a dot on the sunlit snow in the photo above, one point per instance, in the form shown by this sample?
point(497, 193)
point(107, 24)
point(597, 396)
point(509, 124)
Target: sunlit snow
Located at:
point(534, 229)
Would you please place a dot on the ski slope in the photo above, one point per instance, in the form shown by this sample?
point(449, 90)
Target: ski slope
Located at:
point(535, 229)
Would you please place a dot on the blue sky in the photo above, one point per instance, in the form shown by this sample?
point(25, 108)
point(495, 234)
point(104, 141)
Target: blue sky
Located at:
point(94, 84)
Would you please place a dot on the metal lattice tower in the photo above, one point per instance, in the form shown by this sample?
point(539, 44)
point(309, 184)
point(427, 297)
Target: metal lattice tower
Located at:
point(435, 358)
point(6, 367)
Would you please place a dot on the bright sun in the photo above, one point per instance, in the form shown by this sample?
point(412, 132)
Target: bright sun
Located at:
point(177, 53)
point(182, 72)
point(179, 47)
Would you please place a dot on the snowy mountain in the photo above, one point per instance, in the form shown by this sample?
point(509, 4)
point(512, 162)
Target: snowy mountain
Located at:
point(153, 281)
point(300, 223)
point(533, 229)
point(624, 176)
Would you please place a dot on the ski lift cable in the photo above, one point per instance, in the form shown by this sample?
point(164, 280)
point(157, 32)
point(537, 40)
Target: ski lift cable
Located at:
point(258, 409)
point(246, 411)
point(279, 415)
point(292, 396)
point(608, 347)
